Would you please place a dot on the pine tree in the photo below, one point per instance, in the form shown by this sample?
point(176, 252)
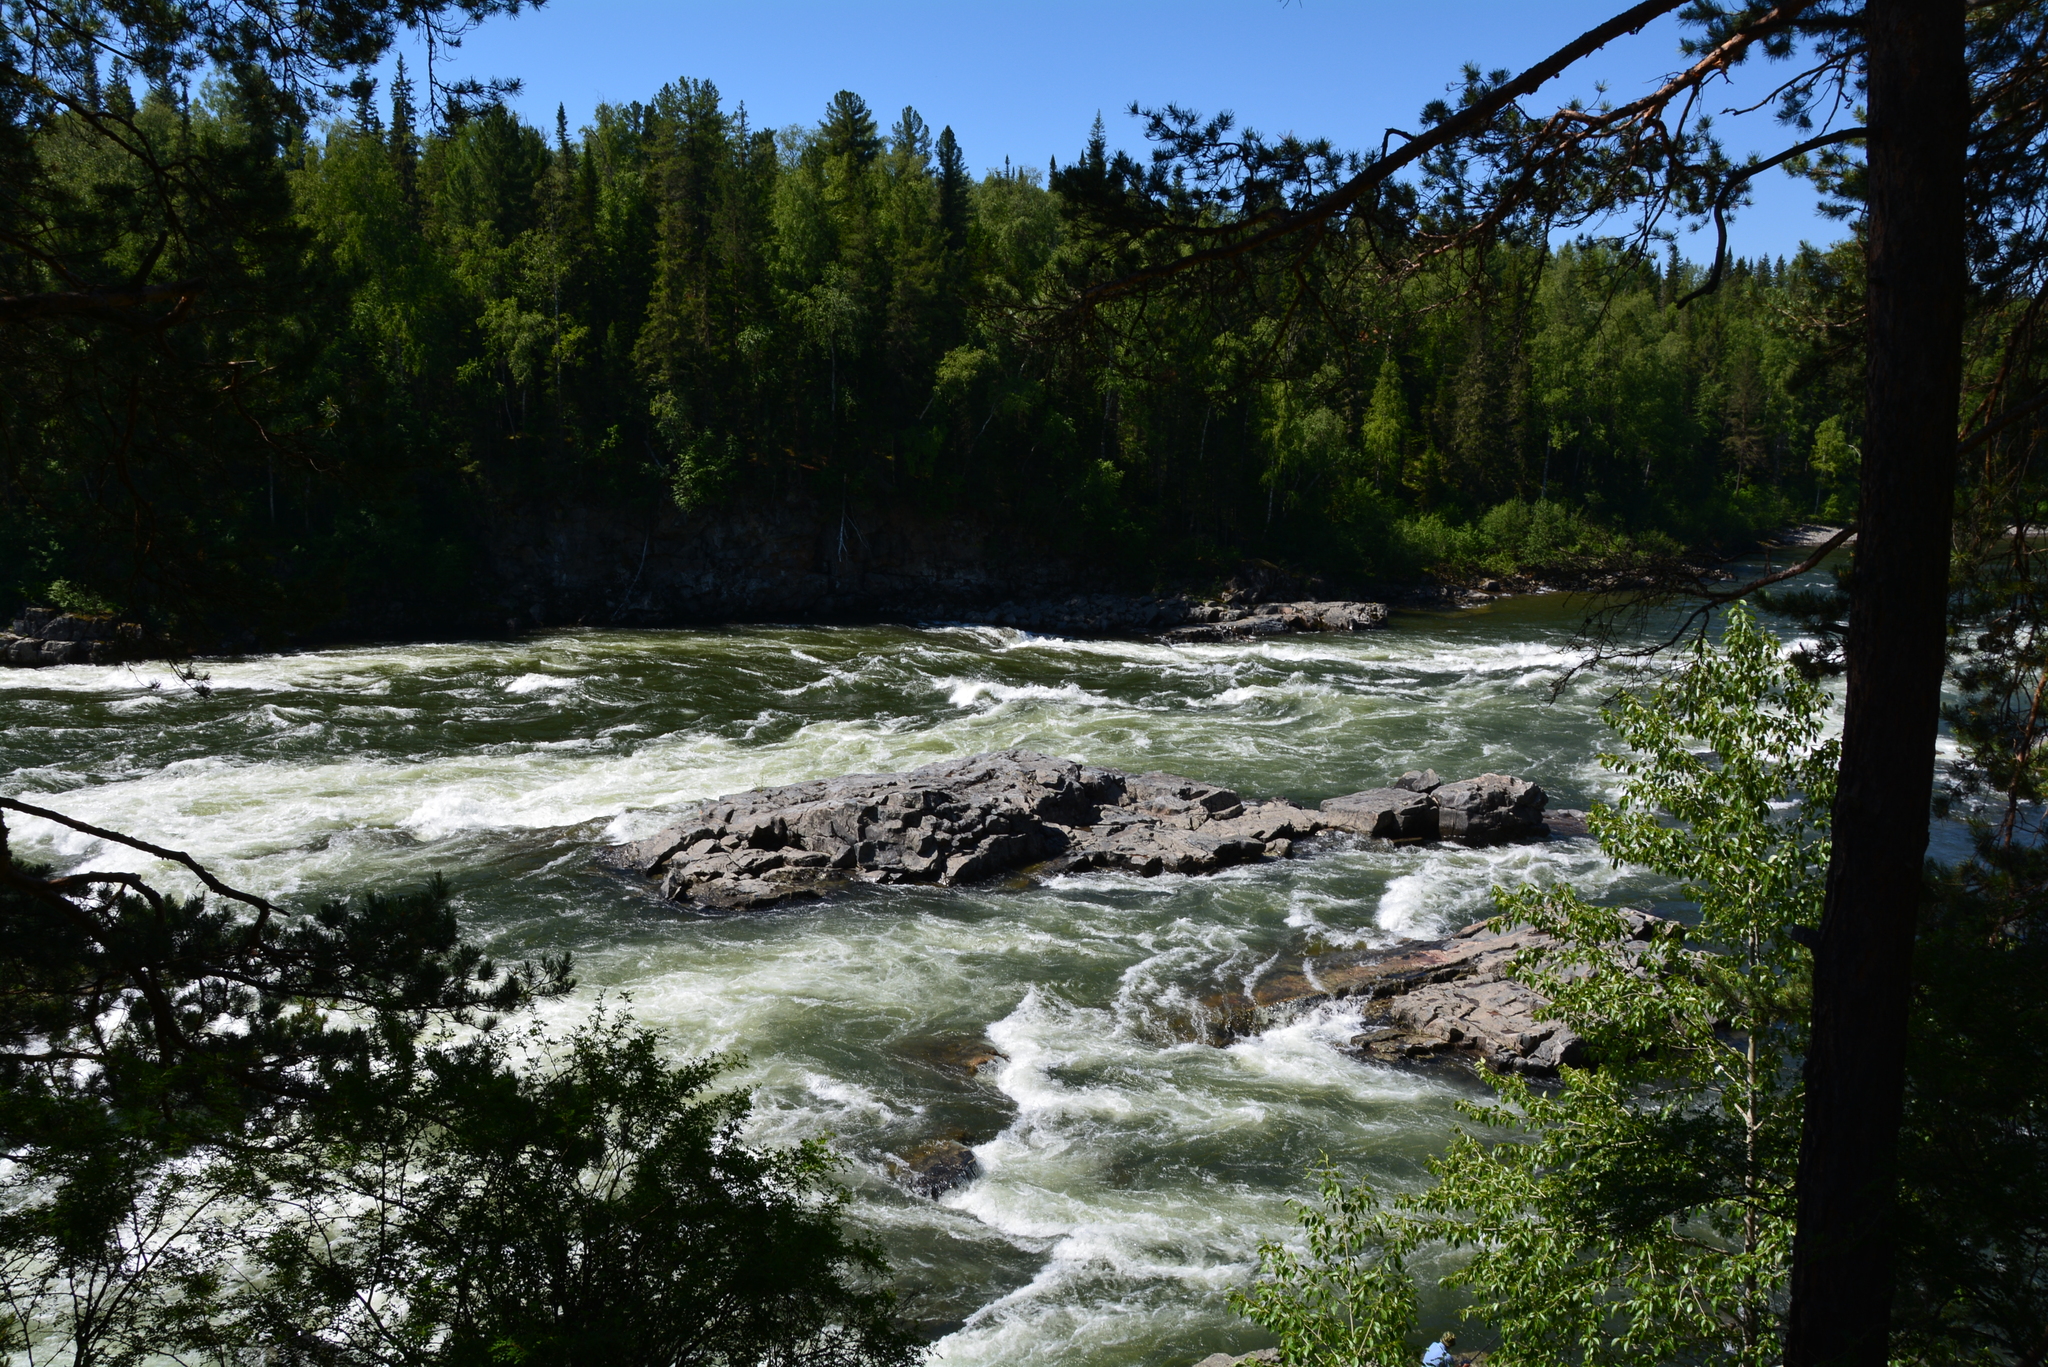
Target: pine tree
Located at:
point(1385, 431)
point(953, 185)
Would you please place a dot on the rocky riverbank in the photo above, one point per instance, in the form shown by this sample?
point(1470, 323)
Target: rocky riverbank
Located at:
point(1178, 618)
point(969, 820)
point(46, 636)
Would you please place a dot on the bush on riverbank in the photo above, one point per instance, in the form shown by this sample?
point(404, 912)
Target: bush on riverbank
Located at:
point(1647, 1200)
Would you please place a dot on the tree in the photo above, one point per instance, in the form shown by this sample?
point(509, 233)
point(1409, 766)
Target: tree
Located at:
point(567, 1201)
point(1490, 171)
point(231, 1128)
point(152, 273)
point(1898, 620)
point(1642, 1209)
point(143, 1036)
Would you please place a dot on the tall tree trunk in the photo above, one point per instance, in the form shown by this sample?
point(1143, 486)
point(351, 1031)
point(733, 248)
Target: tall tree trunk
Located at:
point(1855, 1067)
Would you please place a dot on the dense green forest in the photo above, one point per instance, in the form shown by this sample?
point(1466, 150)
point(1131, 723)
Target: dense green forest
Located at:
point(267, 371)
point(414, 326)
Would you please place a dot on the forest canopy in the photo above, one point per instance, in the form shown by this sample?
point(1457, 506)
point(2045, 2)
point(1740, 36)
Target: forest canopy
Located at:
point(450, 316)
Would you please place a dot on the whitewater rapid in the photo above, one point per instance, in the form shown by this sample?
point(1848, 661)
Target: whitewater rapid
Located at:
point(1127, 1173)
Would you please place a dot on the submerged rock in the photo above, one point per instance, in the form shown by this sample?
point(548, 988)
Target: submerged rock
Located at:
point(937, 1166)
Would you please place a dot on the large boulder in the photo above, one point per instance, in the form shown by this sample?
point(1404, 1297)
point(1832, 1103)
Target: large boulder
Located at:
point(959, 821)
point(1490, 808)
point(1387, 813)
point(1453, 998)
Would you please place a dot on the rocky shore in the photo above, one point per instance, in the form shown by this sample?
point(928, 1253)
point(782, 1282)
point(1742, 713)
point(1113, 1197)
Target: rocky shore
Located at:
point(1178, 618)
point(46, 636)
point(970, 820)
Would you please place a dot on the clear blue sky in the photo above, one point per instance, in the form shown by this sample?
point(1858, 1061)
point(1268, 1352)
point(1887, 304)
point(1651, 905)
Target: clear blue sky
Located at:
point(1025, 80)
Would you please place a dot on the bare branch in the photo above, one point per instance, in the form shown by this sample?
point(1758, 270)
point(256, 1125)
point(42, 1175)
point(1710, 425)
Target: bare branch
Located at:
point(263, 908)
point(1820, 553)
point(1470, 120)
point(1742, 176)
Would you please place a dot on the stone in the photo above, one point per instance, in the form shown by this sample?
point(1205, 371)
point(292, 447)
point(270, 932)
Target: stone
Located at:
point(1490, 808)
point(1212, 623)
point(965, 1054)
point(937, 1166)
point(958, 821)
point(1386, 813)
point(1451, 999)
point(1226, 1360)
point(44, 636)
point(1566, 823)
point(968, 820)
point(1418, 781)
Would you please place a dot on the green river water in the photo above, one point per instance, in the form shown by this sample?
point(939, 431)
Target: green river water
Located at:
point(1127, 1174)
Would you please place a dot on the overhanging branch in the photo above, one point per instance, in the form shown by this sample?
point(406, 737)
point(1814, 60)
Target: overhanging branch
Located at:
point(1741, 177)
point(1470, 120)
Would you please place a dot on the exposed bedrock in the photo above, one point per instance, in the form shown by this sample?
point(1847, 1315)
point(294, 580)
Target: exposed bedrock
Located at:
point(1179, 619)
point(967, 820)
point(960, 821)
point(1440, 998)
point(46, 636)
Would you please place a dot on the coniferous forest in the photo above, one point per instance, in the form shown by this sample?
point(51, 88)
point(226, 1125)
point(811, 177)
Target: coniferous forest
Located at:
point(415, 326)
point(318, 1035)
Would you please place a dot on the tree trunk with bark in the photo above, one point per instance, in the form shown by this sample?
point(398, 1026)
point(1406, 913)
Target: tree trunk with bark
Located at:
point(1855, 1067)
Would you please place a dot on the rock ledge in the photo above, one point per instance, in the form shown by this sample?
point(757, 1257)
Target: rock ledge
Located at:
point(968, 820)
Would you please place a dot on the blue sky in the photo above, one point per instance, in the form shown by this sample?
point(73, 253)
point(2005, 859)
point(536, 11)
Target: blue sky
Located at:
point(1025, 80)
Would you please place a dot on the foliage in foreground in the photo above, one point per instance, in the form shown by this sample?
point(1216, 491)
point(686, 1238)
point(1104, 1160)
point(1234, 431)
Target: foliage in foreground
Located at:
point(1973, 1277)
point(1641, 1210)
point(309, 1137)
point(569, 1201)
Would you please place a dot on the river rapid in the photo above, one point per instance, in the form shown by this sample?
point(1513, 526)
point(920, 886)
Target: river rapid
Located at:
point(1127, 1173)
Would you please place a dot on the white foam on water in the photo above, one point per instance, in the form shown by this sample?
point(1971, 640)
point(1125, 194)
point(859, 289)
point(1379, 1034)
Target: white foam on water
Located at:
point(974, 692)
point(1127, 1174)
point(1453, 886)
point(541, 683)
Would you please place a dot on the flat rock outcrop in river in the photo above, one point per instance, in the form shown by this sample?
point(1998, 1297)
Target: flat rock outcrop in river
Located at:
point(46, 636)
point(960, 821)
point(1429, 998)
point(967, 820)
point(1180, 619)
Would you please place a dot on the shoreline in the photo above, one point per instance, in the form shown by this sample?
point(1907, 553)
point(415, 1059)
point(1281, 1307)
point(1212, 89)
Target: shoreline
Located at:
point(43, 637)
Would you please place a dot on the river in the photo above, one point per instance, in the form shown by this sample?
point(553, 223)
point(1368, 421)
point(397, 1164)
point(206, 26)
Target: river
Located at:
point(1127, 1174)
